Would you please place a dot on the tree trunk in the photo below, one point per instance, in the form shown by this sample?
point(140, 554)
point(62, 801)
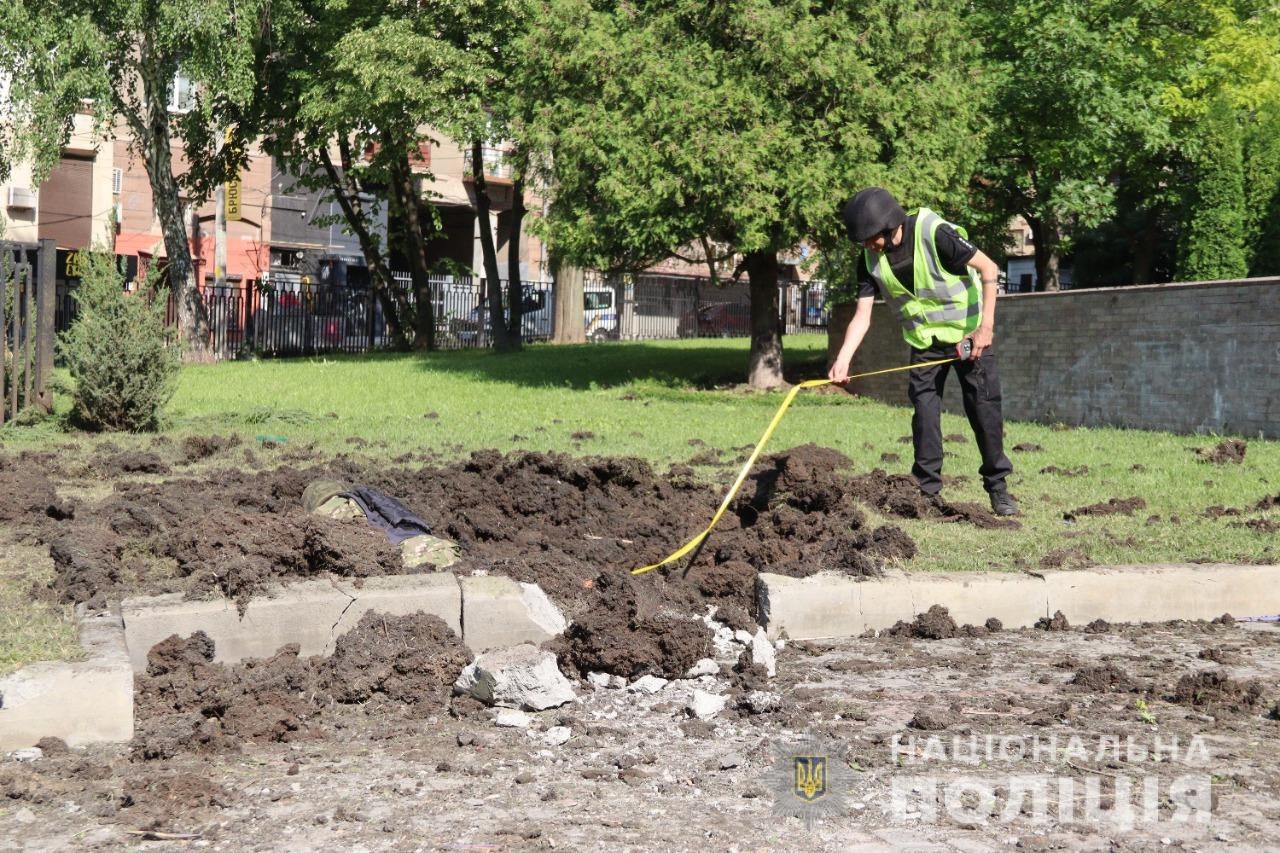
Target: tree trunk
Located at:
point(404, 195)
point(497, 320)
point(152, 129)
point(515, 287)
point(1047, 235)
point(568, 326)
point(764, 367)
point(394, 306)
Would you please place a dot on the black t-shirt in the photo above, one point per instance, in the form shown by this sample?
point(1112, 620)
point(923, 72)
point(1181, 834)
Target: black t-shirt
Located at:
point(954, 250)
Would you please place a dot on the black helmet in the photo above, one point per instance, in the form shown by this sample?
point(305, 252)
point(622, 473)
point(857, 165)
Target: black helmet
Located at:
point(872, 211)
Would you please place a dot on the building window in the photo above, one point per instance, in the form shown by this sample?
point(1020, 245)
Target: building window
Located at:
point(182, 94)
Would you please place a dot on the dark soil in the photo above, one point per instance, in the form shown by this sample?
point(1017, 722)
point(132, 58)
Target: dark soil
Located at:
point(1078, 471)
point(1111, 506)
point(936, 624)
point(131, 462)
point(1103, 678)
point(1065, 558)
point(1218, 692)
point(627, 631)
point(1057, 622)
point(955, 438)
point(1231, 451)
point(899, 495)
point(185, 702)
point(1028, 447)
point(1266, 526)
point(197, 448)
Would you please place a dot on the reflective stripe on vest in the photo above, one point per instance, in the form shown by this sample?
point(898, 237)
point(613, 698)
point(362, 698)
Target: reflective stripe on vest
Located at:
point(944, 306)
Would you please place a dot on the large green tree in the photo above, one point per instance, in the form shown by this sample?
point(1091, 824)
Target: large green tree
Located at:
point(120, 59)
point(357, 105)
point(744, 123)
point(1077, 86)
point(1213, 240)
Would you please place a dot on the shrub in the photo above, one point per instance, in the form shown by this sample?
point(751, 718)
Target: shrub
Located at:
point(115, 349)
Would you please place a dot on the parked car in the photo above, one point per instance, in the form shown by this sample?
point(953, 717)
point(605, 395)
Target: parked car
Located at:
point(724, 320)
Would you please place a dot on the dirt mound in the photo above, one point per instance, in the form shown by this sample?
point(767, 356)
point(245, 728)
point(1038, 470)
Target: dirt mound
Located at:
point(1217, 691)
point(1058, 622)
point(130, 462)
point(187, 703)
point(1064, 558)
point(197, 448)
point(1231, 451)
point(30, 501)
point(413, 659)
point(1028, 447)
point(1111, 506)
point(1265, 526)
point(1103, 678)
point(1078, 471)
point(627, 632)
point(899, 495)
point(936, 624)
point(1226, 655)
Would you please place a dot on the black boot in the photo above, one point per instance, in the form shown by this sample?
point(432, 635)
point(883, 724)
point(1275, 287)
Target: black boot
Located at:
point(1002, 503)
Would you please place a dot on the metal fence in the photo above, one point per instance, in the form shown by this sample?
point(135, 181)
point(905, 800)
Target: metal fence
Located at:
point(288, 316)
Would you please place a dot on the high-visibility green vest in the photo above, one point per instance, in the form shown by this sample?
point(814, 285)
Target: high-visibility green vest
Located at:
point(945, 307)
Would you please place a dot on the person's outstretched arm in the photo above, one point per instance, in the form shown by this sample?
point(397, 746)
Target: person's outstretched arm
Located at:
point(853, 336)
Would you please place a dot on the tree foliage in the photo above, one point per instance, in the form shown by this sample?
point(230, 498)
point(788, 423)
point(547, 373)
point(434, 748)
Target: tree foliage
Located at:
point(1214, 238)
point(744, 123)
point(115, 351)
point(121, 57)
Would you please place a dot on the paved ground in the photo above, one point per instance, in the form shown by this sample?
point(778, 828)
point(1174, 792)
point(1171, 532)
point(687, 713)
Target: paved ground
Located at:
point(638, 774)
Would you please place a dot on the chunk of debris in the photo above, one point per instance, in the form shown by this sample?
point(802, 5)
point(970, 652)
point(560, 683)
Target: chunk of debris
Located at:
point(521, 677)
point(647, 684)
point(706, 705)
point(705, 666)
point(763, 653)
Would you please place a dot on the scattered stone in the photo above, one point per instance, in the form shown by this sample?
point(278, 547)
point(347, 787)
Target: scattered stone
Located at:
point(557, 735)
point(729, 760)
point(466, 739)
point(705, 666)
point(31, 753)
point(705, 705)
point(24, 815)
point(600, 680)
point(743, 637)
point(763, 652)
point(647, 684)
point(759, 702)
point(521, 677)
point(698, 729)
point(511, 719)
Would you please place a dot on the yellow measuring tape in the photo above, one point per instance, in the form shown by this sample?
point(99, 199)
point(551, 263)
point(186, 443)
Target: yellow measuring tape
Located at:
point(773, 424)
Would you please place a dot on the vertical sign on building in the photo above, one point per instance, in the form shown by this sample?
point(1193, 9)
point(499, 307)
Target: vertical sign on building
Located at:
point(233, 200)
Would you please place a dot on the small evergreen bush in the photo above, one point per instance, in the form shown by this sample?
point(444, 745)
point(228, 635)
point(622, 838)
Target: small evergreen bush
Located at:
point(115, 349)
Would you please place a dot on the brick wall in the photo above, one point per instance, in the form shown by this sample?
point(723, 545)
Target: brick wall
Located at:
point(1198, 357)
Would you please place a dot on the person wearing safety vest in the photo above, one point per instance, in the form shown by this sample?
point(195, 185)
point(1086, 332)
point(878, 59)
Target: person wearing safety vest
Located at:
point(943, 290)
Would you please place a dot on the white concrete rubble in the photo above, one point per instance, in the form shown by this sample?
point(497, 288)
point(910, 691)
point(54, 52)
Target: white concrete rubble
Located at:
point(704, 705)
point(705, 666)
point(763, 653)
point(647, 684)
point(520, 677)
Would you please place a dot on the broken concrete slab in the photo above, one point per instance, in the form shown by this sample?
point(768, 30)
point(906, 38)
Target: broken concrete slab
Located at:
point(704, 705)
point(303, 613)
point(822, 605)
point(82, 702)
point(498, 613)
point(400, 595)
point(522, 677)
point(1159, 593)
point(312, 614)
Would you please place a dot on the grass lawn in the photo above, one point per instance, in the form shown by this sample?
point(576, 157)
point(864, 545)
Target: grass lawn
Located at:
point(651, 399)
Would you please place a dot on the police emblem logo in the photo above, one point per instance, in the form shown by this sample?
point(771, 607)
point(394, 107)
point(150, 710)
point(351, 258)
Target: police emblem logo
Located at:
point(809, 779)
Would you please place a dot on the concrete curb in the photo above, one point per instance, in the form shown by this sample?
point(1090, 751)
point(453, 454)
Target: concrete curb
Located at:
point(498, 613)
point(828, 605)
point(89, 701)
point(487, 612)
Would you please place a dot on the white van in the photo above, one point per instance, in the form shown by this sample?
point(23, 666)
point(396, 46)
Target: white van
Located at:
point(599, 313)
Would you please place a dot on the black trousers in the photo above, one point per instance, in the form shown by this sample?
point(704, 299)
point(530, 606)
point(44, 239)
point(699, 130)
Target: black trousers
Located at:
point(980, 388)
